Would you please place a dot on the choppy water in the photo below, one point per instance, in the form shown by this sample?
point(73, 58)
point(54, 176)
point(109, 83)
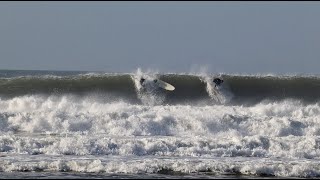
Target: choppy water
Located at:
point(74, 124)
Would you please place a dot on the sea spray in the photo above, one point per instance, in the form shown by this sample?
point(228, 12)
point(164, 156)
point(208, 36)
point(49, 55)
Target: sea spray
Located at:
point(67, 133)
point(148, 92)
point(97, 123)
point(220, 94)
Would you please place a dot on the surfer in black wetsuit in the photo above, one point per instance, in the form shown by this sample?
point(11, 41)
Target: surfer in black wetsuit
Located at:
point(217, 82)
point(142, 80)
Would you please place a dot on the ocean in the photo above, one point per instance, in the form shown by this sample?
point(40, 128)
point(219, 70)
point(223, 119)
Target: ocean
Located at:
point(67, 124)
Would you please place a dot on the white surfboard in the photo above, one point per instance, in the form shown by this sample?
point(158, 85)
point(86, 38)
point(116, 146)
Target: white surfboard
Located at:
point(164, 85)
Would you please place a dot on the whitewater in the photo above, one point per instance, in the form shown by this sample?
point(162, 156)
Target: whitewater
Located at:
point(76, 124)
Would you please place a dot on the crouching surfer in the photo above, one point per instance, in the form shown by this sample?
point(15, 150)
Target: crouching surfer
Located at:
point(217, 82)
point(142, 81)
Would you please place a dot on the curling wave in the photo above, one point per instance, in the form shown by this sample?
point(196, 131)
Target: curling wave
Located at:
point(188, 88)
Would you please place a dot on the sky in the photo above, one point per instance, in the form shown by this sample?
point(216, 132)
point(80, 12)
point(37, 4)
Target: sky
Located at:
point(164, 36)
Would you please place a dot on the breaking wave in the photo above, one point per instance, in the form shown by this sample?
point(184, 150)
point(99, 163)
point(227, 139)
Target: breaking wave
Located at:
point(109, 123)
point(189, 89)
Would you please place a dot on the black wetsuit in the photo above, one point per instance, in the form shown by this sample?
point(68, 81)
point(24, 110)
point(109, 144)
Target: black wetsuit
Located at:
point(142, 80)
point(217, 81)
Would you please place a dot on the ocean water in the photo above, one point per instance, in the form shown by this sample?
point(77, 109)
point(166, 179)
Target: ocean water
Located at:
point(106, 125)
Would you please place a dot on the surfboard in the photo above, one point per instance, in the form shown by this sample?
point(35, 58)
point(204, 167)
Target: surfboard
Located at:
point(164, 85)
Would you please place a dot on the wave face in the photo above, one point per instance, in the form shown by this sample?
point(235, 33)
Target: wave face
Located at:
point(189, 88)
point(109, 123)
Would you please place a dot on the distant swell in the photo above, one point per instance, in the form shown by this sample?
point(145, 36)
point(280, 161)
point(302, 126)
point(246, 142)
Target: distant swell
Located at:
point(189, 88)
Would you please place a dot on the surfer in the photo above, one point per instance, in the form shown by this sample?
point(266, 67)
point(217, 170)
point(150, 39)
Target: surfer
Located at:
point(141, 81)
point(158, 83)
point(217, 82)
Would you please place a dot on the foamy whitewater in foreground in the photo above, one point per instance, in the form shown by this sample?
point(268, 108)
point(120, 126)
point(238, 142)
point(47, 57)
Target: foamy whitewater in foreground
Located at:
point(94, 133)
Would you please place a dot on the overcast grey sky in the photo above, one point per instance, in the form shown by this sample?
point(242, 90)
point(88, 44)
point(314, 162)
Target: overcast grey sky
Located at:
point(231, 37)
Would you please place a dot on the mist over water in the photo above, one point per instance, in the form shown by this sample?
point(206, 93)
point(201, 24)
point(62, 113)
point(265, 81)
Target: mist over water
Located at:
point(109, 123)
